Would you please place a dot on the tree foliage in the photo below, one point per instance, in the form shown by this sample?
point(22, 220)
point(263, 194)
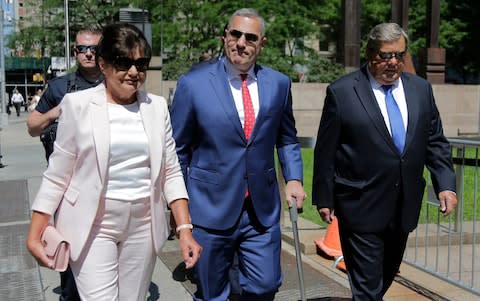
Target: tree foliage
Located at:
point(183, 30)
point(460, 38)
point(46, 22)
point(191, 28)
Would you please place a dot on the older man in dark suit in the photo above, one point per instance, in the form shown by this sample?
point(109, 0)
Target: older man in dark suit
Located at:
point(379, 128)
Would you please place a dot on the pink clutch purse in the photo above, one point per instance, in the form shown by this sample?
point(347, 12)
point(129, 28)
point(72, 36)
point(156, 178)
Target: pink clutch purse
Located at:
point(56, 247)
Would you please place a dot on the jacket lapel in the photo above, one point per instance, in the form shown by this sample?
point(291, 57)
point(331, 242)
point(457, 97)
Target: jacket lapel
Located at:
point(101, 129)
point(221, 87)
point(148, 112)
point(411, 95)
point(367, 98)
point(264, 98)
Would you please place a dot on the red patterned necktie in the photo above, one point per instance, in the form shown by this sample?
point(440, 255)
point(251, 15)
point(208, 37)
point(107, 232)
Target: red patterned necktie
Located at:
point(249, 113)
point(249, 118)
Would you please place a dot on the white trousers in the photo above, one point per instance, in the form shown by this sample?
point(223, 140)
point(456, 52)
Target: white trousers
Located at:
point(118, 260)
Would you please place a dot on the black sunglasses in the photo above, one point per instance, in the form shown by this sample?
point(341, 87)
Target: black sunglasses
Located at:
point(390, 55)
point(237, 34)
point(123, 63)
point(85, 48)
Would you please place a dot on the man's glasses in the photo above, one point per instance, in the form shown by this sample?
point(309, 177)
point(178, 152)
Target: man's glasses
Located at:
point(390, 55)
point(249, 37)
point(85, 48)
point(125, 63)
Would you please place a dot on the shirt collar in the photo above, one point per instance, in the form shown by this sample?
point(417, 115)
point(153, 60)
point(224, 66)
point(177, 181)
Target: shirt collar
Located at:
point(377, 85)
point(233, 73)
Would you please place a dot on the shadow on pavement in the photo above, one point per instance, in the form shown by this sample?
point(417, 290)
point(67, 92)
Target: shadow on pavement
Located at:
point(181, 274)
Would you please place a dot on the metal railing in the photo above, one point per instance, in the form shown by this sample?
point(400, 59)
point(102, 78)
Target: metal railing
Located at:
point(448, 247)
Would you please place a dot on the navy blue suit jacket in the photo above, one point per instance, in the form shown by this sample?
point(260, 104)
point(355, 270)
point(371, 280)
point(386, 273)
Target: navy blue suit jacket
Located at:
point(358, 170)
point(217, 161)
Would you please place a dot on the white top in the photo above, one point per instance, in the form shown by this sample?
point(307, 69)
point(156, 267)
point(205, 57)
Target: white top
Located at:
point(236, 87)
point(129, 165)
point(398, 95)
point(17, 98)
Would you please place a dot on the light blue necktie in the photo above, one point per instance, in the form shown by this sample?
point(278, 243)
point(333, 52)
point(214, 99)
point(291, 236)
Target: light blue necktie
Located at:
point(395, 117)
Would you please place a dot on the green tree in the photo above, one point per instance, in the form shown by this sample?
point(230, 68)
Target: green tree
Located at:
point(286, 35)
point(187, 29)
point(183, 30)
point(47, 28)
point(456, 34)
point(190, 28)
point(459, 37)
point(47, 23)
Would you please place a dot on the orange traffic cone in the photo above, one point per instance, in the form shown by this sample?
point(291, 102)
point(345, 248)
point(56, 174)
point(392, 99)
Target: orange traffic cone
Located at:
point(330, 243)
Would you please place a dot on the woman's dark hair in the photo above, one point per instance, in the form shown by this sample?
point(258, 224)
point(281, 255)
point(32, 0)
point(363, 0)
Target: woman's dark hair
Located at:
point(121, 40)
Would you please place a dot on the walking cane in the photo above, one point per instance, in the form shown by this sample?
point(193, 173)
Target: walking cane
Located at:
point(294, 218)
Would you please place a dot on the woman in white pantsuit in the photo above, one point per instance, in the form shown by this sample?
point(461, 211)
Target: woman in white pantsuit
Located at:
point(113, 167)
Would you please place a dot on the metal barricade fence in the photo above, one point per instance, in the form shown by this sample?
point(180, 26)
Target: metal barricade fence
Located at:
point(448, 247)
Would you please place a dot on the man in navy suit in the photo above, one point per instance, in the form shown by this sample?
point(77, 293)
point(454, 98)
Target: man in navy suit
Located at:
point(230, 172)
point(379, 128)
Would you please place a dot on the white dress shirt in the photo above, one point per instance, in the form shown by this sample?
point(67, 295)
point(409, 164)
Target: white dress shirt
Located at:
point(235, 81)
point(398, 95)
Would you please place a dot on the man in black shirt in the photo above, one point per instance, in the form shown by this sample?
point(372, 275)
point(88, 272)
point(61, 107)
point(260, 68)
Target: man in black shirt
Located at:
point(87, 75)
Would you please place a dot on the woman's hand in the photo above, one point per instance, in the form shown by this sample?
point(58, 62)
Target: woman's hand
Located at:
point(34, 244)
point(189, 247)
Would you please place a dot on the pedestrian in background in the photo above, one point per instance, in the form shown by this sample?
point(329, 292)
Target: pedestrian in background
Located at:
point(35, 99)
point(17, 101)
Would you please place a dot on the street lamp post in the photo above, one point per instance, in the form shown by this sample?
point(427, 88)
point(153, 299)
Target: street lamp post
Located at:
point(3, 115)
point(67, 37)
point(4, 101)
point(2, 63)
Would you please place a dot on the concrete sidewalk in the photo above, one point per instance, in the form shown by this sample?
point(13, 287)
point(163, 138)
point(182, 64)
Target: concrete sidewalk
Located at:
point(22, 279)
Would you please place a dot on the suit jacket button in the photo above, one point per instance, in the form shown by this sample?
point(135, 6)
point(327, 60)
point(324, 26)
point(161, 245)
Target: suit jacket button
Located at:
point(245, 176)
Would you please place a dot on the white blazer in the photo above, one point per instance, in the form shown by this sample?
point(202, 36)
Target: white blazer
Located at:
point(76, 176)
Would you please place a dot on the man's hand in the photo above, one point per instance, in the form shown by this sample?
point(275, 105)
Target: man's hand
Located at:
point(294, 188)
point(448, 202)
point(326, 214)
